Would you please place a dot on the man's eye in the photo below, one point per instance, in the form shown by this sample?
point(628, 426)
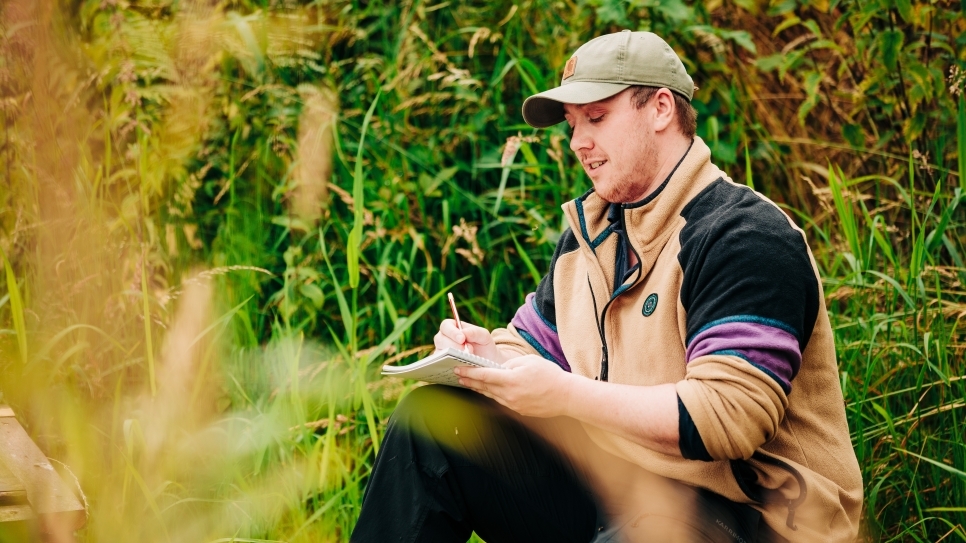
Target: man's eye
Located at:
point(597, 120)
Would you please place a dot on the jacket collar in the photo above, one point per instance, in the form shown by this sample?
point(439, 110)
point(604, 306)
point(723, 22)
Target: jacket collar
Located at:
point(649, 222)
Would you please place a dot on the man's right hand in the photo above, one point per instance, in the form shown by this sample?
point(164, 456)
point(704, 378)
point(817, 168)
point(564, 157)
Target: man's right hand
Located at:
point(479, 340)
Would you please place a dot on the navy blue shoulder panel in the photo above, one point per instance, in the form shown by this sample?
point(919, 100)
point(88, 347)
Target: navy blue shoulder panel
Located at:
point(544, 298)
point(744, 266)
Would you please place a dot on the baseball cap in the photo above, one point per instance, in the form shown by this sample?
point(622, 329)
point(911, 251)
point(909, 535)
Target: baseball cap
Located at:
point(605, 66)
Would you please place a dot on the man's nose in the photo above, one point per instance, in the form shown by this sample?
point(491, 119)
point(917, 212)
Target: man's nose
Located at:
point(580, 140)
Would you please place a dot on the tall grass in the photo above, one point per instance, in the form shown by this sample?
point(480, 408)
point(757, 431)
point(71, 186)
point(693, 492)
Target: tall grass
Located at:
point(219, 221)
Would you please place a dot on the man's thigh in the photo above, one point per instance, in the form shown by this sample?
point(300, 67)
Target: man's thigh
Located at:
point(509, 484)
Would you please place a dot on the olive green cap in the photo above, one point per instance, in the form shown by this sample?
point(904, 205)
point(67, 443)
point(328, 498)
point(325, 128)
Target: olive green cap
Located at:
point(605, 66)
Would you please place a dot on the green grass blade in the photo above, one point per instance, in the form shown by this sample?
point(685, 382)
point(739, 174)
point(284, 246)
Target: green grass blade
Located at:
point(354, 245)
point(836, 181)
point(937, 463)
point(961, 141)
point(16, 309)
point(146, 312)
point(348, 319)
point(526, 260)
point(748, 176)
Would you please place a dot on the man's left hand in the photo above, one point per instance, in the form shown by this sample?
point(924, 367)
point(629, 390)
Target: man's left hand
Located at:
point(530, 385)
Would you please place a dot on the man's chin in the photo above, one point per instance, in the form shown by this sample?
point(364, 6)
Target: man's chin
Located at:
point(615, 196)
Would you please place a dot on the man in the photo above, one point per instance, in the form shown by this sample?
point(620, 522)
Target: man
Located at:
point(699, 397)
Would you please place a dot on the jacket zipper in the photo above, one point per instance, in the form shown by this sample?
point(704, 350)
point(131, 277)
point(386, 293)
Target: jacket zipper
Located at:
point(601, 322)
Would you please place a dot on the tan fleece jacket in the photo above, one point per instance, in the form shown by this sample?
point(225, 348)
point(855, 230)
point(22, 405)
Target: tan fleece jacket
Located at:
point(726, 303)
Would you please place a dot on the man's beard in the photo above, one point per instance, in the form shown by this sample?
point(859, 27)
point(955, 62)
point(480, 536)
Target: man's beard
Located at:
point(629, 187)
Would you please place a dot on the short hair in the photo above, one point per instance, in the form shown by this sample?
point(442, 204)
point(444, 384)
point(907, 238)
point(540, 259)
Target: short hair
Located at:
point(686, 114)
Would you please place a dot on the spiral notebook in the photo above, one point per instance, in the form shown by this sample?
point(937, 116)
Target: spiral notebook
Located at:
point(438, 367)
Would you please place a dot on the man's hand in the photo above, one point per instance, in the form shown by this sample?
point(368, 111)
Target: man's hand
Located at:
point(477, 339)
point(530, 385)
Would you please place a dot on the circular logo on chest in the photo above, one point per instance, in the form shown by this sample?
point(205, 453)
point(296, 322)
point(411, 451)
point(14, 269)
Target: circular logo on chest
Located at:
point(650, 304)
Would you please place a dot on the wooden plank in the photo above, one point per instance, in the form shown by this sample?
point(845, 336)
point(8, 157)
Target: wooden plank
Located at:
point(46, 491)
point(5, 411)
point(11, 513)
point(12, 491)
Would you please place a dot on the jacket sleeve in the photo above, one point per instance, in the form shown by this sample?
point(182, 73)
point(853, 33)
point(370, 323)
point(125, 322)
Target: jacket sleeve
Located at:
point(533, 329)
point(751, 297)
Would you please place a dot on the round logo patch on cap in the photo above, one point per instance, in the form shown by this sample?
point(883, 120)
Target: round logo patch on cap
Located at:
point(570, 68)
point(650, 304)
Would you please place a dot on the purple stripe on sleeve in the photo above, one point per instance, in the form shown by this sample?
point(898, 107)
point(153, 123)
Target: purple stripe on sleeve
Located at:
point(767, 346)
point(528, 319)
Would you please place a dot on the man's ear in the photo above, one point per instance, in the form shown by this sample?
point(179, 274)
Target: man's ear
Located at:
point(665, 110)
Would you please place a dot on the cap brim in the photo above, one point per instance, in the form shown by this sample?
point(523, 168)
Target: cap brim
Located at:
point(546, 109)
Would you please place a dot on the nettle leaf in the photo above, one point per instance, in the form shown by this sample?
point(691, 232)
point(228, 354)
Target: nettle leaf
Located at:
point(786, 24)
point(813, 26)
point(792, 60)
point(913, 126)
point(748, 5)
point(905, 9)
point(674, 10)
point(890, 43)
point(853, 134)
point(917, 93)
point(922, 83)
point(811, 83)
point(612, 11)
point(741, 38)
point(781, 7)
point(770, 62)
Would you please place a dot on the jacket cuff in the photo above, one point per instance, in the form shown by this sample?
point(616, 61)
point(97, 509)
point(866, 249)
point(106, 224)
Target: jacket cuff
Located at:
point(511, 343)
point(734, 406)
point(692, 446)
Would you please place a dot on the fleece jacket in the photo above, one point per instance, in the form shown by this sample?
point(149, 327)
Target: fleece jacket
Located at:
point(726, 303)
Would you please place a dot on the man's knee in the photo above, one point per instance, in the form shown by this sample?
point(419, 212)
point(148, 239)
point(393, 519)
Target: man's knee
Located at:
point(434, 410)
point(459, 420)
point(431, 402)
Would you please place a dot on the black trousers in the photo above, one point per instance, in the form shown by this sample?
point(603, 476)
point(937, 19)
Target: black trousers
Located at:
point(454, 462)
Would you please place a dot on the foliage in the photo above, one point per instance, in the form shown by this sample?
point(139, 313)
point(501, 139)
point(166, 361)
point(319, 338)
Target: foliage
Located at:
point(336, 166)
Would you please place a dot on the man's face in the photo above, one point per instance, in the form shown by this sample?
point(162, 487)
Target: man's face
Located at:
point(614, 142)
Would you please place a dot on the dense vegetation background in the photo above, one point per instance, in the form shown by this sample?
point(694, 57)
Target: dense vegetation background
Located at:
point(219, 218)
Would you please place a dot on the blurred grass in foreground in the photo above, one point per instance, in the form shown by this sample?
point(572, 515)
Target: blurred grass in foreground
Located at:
point(219, 219)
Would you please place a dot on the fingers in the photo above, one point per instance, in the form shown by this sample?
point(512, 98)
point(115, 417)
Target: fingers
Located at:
point(449, 330)
point(443, 342)
point(469, 334)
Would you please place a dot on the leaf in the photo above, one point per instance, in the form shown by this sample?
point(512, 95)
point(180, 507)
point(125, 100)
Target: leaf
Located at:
point(354, 245)
point(890, 44)
point(811, 84)
point(16, 308)
point(429, 185)
point(613, 12)
point(905, 9)
point(740, 38)
point(314, 294)
point(770, 63)
point(526, 260)
point(791, 62)
point(786, 24)
point(937, 463)
point(813, 26)
point(961, 140)
point(782, 7)
point(674, 10)
point(854, 135)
